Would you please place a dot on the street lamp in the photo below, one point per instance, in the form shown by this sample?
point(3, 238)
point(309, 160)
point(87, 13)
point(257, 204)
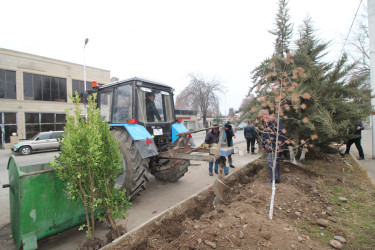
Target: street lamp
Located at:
point(84, 78)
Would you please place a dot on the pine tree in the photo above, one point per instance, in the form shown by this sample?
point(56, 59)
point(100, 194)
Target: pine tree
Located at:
point(283, 30)
point(336, 102)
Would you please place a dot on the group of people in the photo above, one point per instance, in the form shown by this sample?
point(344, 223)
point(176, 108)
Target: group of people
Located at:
point(213, 136)
point(272, 141)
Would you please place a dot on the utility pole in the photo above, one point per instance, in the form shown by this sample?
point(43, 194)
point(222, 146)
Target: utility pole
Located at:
point(371, 27)
point(226, 118)
point(84, 78)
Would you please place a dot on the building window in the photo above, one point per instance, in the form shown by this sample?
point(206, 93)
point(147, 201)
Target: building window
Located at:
point(44, 88)
point(8, 125)
point(7, 84)
point(78, 86)
point(42, 122)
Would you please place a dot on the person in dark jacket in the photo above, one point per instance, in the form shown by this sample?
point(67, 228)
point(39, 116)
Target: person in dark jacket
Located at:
point(357, 136)
point(250, 136)
point(269, 143)
point(213, 137)
point(151, 110)
point(230, 134)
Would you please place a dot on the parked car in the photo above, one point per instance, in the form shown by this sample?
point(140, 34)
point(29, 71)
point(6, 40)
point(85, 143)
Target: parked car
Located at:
point(40, 142)
point(241, 127)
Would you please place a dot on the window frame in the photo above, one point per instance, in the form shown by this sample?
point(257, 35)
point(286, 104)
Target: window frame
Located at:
point(8, 84)
point(38, 87)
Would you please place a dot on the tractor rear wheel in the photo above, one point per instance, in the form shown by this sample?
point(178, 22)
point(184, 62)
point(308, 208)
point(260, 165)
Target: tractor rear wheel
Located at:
point(134, 179)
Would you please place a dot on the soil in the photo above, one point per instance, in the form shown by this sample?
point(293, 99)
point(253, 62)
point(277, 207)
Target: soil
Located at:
point(244, 223)
point(93, 243)
point(114, 234)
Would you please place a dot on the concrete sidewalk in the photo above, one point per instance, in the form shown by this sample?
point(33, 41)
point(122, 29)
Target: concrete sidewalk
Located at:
point(368, 163)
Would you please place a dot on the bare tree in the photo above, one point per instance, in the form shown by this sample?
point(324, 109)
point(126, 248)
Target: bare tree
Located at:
point(359, 49)
point(200, 95)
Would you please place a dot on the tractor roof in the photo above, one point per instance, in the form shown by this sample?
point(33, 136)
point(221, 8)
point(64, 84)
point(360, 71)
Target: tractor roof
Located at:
point(137, 79)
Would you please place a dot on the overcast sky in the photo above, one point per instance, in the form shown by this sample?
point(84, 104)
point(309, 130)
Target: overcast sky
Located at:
point(166, 40)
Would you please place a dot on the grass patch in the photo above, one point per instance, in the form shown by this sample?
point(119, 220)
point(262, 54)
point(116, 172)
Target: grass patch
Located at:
point(314, 231)
point(355, 219)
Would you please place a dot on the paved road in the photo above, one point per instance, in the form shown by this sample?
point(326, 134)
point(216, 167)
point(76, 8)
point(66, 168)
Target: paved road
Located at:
point(368, 163)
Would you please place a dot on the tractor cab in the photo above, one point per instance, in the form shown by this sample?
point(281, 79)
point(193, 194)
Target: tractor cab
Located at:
point(140, 101)
point(131, 99)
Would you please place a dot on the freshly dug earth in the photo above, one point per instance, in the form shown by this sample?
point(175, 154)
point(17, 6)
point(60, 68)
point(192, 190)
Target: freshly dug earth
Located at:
point(307, 212)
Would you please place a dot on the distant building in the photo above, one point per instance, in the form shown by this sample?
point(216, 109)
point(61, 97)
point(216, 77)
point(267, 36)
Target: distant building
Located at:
point(189, 118)
point(34, 92)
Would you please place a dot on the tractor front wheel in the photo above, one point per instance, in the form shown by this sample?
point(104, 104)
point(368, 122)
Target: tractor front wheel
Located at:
point(167, 172)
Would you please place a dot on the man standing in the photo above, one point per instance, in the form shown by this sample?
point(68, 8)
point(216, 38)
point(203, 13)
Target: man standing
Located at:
point(213, 137)
point(250, 136)
point(357, 133)
point(230, 134)
point(269, 143)
point(151, 110)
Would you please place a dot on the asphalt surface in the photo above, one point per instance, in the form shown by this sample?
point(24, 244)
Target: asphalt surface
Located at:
point(368, 163)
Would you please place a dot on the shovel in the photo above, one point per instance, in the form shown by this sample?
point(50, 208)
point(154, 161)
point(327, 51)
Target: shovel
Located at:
point(220, 188)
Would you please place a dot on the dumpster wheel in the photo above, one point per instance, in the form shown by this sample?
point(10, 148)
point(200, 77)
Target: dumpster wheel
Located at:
point(135, 168)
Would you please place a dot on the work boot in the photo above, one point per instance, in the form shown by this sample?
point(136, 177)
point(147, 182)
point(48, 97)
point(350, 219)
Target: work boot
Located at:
point(210, 173)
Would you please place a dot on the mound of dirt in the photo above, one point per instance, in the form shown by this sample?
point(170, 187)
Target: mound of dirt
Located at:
point(93, 243)
point(243, 222)
point(302, 207)
point(114, 234)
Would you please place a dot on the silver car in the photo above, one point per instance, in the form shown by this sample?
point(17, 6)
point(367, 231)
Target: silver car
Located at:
point(40, 142)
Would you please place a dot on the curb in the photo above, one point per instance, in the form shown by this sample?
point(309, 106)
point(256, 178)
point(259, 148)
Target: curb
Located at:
point(372, 181)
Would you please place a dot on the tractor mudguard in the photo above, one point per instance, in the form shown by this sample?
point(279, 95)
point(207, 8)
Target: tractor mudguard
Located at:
point(176, 129)
point(142, 139)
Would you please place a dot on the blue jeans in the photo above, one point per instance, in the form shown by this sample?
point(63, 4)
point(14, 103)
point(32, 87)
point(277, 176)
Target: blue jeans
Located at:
point(210, 165)
point(277, 169)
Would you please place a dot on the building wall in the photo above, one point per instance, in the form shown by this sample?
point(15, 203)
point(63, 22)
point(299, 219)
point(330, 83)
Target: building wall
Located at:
point(190, 121)
point(26, 63)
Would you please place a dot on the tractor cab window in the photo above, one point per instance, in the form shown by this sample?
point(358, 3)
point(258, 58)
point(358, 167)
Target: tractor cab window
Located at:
point(105, 101)
point(154, 106)
point(122, 107)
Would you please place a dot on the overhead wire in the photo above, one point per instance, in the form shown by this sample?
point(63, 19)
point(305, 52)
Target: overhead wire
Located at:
point(351, 26)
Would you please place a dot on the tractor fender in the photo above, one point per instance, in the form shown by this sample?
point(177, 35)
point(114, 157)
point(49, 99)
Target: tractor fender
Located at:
point(142, 139)
point(176, 129)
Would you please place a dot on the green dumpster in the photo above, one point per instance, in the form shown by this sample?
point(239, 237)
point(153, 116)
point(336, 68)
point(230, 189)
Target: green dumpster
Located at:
point(39, 206)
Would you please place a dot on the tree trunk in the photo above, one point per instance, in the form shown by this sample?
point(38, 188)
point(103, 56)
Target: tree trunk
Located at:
point(292, 156)
point(84, 201)
point(111, 221)
point(204, 121)
point(303, 154)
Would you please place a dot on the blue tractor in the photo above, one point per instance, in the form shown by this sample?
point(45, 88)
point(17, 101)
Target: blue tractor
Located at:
point(142, 117)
